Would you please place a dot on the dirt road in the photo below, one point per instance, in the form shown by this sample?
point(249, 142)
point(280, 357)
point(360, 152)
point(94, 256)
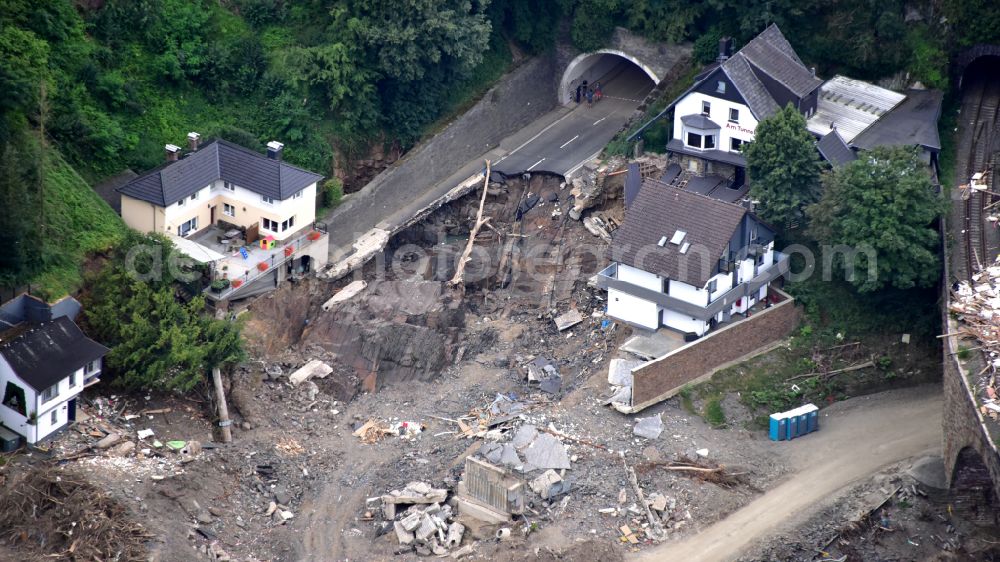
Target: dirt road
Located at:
point(856, 438)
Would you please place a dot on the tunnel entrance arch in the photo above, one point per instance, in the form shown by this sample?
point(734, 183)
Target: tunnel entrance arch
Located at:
point(972, 488)
point(973, 57)
point(598, 65)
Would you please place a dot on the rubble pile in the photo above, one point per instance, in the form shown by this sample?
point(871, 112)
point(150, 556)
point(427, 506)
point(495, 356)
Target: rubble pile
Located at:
point(977, 306)
point(422, 520)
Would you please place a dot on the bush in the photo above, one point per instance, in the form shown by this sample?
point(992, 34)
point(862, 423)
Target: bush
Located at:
point(333, 192)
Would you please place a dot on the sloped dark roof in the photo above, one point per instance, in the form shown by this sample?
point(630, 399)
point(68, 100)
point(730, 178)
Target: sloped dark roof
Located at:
point(660, 210)
point(773, 55)
point(914, 121)
point(217, 160)
point(699, 121)
point(758, 99)
point(46, 353)
point(834, 150)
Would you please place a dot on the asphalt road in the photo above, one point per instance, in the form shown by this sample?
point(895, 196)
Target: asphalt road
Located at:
point(856, 439)
point(583, 132)
point(560, 141)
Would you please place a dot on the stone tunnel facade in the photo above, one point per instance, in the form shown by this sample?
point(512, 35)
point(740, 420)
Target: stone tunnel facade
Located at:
point(969, 56)
point(657, 60)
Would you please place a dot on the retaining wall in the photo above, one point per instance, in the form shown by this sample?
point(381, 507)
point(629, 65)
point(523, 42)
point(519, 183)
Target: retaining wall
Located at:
point(663, 378)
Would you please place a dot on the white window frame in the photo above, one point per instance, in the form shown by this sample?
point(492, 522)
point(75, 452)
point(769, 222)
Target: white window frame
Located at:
point(72, 378)
point(46, 397)
point(720, 86)
point(264, 222)
point(228, 210)
point(193, 222)
point(288, 223)
point(299, 194)
point(229, 186)
point(90, 367)
point(266, 199)
point(733, 111)
point(713, 285)
point(736, 145)
point(54, 419)
point(706, 107)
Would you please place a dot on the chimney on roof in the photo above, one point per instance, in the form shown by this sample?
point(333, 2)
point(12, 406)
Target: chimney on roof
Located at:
point(725, 49)
point(194, 139)
point(274, 149)
point(172, 152)
point(813, 70)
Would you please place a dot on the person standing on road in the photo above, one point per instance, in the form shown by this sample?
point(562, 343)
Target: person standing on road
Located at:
point(578, 94)
point(597, 91)
point(590, 98)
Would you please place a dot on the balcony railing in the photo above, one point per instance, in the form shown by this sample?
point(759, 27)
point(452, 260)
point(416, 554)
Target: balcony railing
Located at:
point(277, 258)
point(608, 279)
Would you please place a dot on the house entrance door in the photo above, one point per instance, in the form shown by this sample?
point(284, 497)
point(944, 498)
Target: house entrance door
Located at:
point(71, 415)
point(211, 215)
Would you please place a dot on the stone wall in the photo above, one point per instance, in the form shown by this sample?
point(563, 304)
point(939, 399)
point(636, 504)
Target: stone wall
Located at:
point(964, 427)
point(664, 377)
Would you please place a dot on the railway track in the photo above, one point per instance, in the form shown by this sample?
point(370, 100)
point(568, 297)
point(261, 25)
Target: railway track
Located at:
point(985, 99)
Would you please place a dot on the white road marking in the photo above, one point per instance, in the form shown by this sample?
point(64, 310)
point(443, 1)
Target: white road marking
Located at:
point(540, 133)
point(569, 141)
point(601, 119)
point(580, 165)
point(535, 164)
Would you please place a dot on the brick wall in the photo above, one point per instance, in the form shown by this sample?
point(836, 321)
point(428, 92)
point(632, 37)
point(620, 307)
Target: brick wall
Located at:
point(663, 378)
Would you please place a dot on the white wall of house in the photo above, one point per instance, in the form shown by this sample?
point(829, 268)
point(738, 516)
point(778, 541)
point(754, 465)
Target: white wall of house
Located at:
point(683, 323)
point(639, 277)
point(742, 129)
point(11, 418)
point(246, 208)
point(44, 409)
point(633, 310)
point(688, 293)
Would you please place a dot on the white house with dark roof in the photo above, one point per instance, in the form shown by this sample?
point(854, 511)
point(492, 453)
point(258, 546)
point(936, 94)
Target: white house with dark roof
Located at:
point(715, 118)
point(43, 368)
point(688, 261)
point(221, 183)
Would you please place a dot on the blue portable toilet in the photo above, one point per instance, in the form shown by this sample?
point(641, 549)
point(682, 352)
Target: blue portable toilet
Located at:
point(792, 424)
point(812, 414)
point(777, 426)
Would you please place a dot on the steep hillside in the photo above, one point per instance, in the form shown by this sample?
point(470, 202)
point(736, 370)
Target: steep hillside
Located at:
point(77, 223)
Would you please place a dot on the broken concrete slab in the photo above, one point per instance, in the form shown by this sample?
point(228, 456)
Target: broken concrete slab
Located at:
point(455, 533)
point(474, 509)
point(568, 320)
point(509, 457)
point(312, 369)
point(428, 527)
point(653, 345)
point(545, 452)
point(551, 385)
point(620, 371)
point(524, 436)
point(402, 534)
point(410, 522)
point(345, 294)
point(108, 441)
point(549, 485)
point(650, 427)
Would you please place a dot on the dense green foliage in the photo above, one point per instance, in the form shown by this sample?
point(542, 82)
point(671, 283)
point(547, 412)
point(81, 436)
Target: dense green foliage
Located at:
point(157, 340)
point(51, 220)
point(882, 205)
point(128, 76)
point(783, 166)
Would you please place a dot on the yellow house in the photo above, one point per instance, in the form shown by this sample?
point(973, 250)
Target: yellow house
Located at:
point(221, 182)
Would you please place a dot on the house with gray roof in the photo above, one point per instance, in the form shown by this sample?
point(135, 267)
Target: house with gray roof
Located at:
point(220, 182)
point(688, 261)
point(45, 363)
point(718, 115)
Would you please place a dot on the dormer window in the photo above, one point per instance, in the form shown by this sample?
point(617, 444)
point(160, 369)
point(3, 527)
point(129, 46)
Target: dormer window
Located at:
point(706, 108)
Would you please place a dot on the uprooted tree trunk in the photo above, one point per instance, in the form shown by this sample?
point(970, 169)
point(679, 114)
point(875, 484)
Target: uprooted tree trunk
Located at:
point(459, 278)
point(220, 397)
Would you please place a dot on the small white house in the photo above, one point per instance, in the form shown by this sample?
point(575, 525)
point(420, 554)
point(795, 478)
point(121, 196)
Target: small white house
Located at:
point(688, 261)
point(43, 368)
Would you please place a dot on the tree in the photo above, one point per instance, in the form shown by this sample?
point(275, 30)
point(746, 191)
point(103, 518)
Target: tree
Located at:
point(783, 166)
point(19, 219)
point(593, 23)
point(882, 205)
point(157, 341)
